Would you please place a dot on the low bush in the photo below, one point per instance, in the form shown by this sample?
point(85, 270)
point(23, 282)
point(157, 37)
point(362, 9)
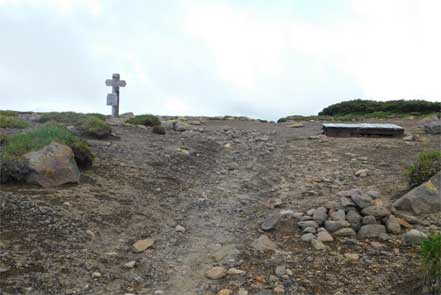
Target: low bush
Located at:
point(426, 166)
point(146, 120)
point(13, 169)
point(282, 120)
point(158, 130)
point(94, 126)
point(8, 113)
point(70, 118)
point(3, 139)
point(12, 122)
point(98, 115)
point(430, 255)
point(36, 139)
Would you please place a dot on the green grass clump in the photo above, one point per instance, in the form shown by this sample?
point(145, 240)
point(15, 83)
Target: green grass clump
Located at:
point(36, 139)
point(158, 130)
point(146, 120)
point(8, 113)
point(426, 166)
point(3, 139)
point(70, 118)
point(98, 115)
point(95, 127)
point(12, 122)
point(430, 255)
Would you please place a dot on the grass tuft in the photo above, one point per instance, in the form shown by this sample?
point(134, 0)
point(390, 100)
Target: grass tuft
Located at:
point(12, 122)
point(430, 256)
point(146, 120)
point(94, 126)
point(426, 166)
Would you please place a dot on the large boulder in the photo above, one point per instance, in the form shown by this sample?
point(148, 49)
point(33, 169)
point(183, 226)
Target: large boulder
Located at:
point(52, 166)
point(433, 127)
point(423, 199)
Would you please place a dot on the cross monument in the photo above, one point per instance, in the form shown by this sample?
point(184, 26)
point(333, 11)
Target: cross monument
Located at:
point(113, 98)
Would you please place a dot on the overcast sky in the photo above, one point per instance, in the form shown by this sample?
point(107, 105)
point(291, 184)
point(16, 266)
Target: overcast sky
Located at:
point(257, 58)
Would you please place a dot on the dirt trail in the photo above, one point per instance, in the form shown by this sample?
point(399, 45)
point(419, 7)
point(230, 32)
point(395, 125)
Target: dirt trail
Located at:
point(218, 181)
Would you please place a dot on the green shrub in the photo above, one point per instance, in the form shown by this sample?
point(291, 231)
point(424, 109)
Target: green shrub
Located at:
point(8, 113)
point(36, 139)
point(158, 130)
point(146, 120)
point(12, 122)
point(70, 118)
point(3, 139)
point(426, 166)
point(13, 169)
point(430, 255)
point(382, 108)
point(98, 115)
point(94, 126)
point(282, 120)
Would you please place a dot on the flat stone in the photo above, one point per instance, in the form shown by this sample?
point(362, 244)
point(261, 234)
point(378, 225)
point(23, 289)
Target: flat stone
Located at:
point(362, 200)
point(142, 245)
point(345, 232)
point(235, 271)
point(225, 292)
point(308, 237)
point(371, 231)
point(346, 202)
point(373, 194)
point(334, 225)
point(263, 243)
point(130, 264)
point(324, 236)
point(318, 245)
point(270, 222)
point(362, 173)
point(352, 256)
point(309, 223)
point(377, 211)
point(180, 229)
point(216, 273)
point(310, 229)
point(310, 212)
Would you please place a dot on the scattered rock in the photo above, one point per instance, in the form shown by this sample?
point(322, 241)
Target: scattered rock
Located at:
point(373, 194)
point(308, 237)
point(130, 264)
point(318, 245)
point(338, 215)
point(371, 231)
point(423, 199)
point(280, 270)
point(225, 292)
point(235, 271)
point(433, 127)
point(96, 275)
point(216, 273)
point(270, 222)
point(413, 237)
point(377, 211)
point(263, 243)
point(242, 291)
point(369, 220)
point(335, 225)
point(320, 215)
point(354, 219)
point(180, 229)
point(352, 256)
point(362, 173)
point(52, 166)
point(409, 138)
point(393, 225)
point(310, 229)
point(362, 200)
point(324, 236)
point(142, 245)
point(309, 223)
point(345, 232)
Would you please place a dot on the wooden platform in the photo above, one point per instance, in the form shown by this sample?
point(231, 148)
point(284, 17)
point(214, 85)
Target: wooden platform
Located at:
point(362, 129)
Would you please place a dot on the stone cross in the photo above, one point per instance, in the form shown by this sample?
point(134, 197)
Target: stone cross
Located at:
point(113, 98)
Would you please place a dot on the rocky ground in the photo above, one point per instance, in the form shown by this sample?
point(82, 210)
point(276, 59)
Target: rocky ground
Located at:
point(197, 198)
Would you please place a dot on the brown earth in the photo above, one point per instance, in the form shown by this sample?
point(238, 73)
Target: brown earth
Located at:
point(218, 181)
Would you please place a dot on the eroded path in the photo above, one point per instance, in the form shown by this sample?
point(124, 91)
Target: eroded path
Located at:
point(218, 181)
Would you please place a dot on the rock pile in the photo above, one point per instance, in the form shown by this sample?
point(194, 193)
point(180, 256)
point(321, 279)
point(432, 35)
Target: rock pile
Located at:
point(357, 214)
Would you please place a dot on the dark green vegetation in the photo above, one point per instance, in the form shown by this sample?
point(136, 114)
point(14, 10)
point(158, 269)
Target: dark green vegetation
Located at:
point(426, 166)
point(146, 120)
point(430, 255)
point(7, 121)
point(94, 127)
point(382, 108)
point(93, 124)
point(13, 166)
point(158, 130)
point(8, 113)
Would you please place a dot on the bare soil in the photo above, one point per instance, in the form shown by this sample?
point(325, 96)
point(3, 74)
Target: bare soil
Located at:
point(217, 180)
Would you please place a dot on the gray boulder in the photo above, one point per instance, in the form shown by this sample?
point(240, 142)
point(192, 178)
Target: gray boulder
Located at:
point(371, 231)
point(369, 220)
point(413, 237)
point(423, 199)
point(52, 166)
point(362, 200)
point(338, 215)
point(354, 218)
point(309, 223)
point(393, 225)
point(433, 127)
point(345, 232)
